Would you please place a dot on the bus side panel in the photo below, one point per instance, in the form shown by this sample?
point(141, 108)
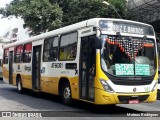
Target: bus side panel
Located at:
point(51, 72)
point(14, 79)
point(24, 70)
point(27, 75)
point(49, 84)
point(74, 87)
point(27, 81)
point(49, 78)
point(5, 72)
point(15, 73)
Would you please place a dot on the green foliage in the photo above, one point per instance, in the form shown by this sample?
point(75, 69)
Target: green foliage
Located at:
point(121, 7)
point(91, 9)
point(46, 15)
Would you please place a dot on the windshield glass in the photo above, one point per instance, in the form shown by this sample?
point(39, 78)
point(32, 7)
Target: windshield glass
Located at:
point(128, 56)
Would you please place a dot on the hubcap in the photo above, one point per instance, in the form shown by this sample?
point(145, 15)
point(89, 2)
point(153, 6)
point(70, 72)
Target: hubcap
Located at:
point(67, 93)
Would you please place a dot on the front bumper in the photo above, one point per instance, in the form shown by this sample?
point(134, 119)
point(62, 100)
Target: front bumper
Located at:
point(102, 97)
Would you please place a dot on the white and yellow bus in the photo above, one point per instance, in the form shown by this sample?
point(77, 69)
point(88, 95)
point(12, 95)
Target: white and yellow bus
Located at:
point(100, 60)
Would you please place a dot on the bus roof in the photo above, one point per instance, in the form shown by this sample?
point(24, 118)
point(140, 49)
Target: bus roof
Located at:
point(70, 28)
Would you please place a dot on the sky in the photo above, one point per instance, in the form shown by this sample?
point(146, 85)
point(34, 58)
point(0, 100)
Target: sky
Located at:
point(4, 2)
point(5, 23)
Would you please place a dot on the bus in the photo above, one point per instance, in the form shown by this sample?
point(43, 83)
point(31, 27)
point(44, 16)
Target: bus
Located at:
point(158, 48)
point(1, 61)
point(1, 69)
point(103, 61)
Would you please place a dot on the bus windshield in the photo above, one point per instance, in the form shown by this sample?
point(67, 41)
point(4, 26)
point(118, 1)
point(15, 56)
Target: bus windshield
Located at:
point(128, 56)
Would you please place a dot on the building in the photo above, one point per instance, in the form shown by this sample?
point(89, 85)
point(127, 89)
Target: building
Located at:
point(147, 11)
point(14, 33)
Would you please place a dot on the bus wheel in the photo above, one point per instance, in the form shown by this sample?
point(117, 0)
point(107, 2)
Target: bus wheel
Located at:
point(19, 85)
point(66, 94)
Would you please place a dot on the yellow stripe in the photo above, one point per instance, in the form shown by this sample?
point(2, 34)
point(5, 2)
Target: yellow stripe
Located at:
point(47, 84)
point(5, 73)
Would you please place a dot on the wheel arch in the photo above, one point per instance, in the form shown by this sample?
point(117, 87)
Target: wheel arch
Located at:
point(17, 76)
point(61, 82)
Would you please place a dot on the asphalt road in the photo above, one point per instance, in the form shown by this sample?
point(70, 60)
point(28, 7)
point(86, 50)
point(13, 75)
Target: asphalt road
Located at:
point(47, 105)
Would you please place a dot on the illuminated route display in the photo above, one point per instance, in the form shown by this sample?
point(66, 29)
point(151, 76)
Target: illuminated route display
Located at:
point(126, 27)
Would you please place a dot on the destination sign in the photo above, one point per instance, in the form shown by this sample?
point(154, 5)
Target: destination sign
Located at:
point(142, 69)
point(124, 69)
point(128, 69)
point(126, 27)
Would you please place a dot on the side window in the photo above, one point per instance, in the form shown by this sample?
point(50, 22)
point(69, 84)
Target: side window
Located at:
point(19, 54)
point(27, 53)
point(68, 46)
point(6, 52)
point(50, 49)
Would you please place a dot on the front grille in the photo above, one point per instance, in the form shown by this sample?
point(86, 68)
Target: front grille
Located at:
point(125, 99)
point(131, 82)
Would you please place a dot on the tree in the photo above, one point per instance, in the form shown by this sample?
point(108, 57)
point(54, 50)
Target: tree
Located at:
point(79, 10)
point(46, 15)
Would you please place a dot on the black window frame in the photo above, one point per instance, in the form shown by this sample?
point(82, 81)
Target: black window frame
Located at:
point(27, 53)
point(68, 46)
point(55, 58)
point(4, 61)
point(21, 55)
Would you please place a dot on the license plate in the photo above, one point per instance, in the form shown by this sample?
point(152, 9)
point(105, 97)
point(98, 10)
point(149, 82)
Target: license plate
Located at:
point(133, 101)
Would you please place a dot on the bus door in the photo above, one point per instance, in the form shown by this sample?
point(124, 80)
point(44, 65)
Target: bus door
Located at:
point(36, 68)
point(11, 67)
point(87, 68)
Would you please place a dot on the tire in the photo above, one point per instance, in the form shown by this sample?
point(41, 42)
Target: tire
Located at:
point(19, 85)
point(158, 94)
point(66, 94)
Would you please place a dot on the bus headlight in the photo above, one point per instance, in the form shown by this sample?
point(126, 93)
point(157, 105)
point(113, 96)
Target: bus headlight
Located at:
point(154, 87)
point(106, 86)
